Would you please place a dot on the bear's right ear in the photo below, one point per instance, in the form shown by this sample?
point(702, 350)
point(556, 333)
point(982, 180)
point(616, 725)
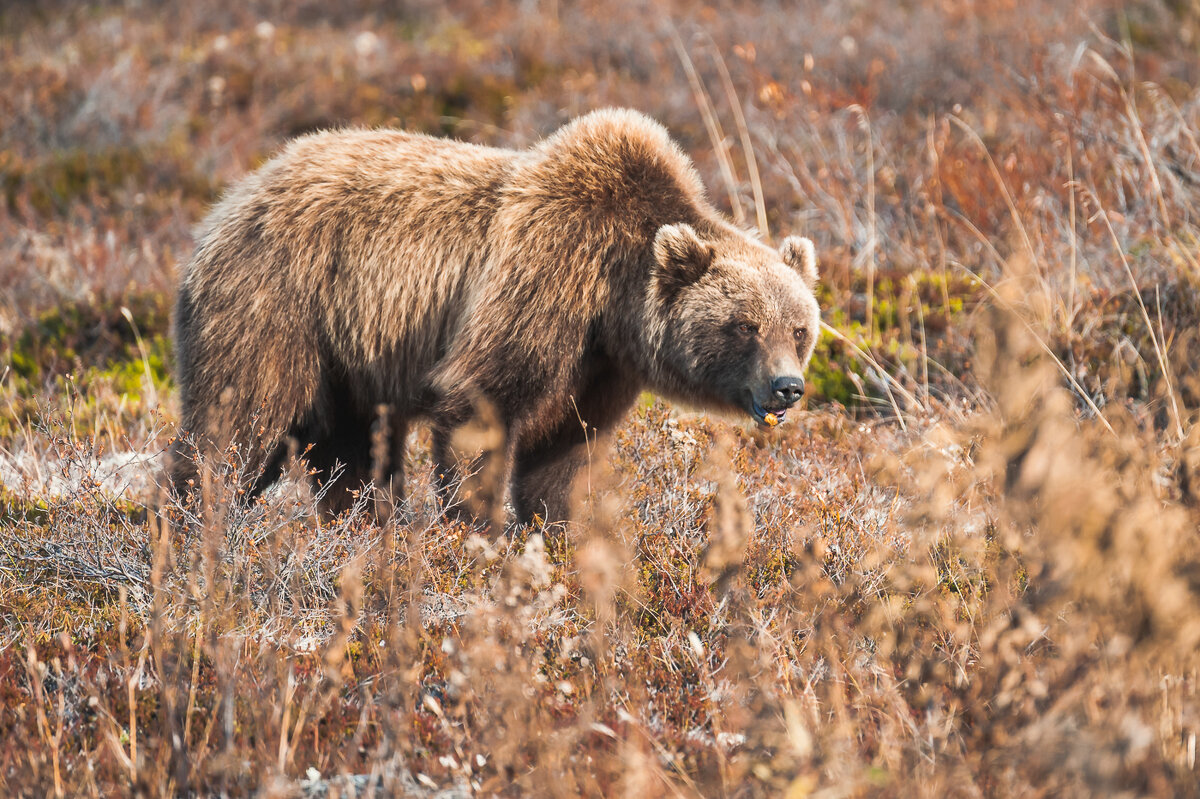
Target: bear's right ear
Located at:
point(799, 253)
point(681, 256)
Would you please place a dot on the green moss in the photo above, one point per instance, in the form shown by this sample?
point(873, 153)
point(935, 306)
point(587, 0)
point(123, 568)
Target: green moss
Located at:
point(829, 372)
point(100, 338)
point(906, 309)
point(767, 570)
point(958, 574)
point(15, 509)
point(86, 355)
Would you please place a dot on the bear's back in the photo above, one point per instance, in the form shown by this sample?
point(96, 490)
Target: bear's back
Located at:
point(363, 238)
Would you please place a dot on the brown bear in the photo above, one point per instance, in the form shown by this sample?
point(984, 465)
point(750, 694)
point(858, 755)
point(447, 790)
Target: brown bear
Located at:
point(361, 269)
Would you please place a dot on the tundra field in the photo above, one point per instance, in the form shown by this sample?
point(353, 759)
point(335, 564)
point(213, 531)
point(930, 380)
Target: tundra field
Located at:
point(970, 566)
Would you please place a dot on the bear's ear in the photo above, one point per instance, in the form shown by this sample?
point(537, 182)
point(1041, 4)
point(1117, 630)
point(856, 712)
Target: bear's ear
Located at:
point(799, 253)
point(681, 256)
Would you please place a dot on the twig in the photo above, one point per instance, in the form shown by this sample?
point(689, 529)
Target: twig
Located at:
point(715, 134)
point(760, 204)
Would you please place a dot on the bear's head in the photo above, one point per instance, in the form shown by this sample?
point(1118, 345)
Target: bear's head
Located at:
point(736, 321)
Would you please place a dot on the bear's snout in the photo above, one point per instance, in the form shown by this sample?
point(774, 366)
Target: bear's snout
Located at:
point(787, 390)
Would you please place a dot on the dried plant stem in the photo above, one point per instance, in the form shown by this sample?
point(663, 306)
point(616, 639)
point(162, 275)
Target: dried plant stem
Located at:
point(712, 124)
point(147, 374)
point(132, 687)
point(1069, 315)
point(1045, 348)
point(285, 721)
point(924, 341)
point(195, 679)
point(1159, 348)
point(1135, 123)
point(864, 124)
point(888, 381)
point(739, 116)
point(1018, 223)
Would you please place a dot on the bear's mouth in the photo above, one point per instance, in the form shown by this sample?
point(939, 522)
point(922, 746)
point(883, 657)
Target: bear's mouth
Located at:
point(766, 416)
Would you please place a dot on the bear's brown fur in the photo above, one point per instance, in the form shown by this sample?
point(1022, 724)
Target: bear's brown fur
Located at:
point(360, 269)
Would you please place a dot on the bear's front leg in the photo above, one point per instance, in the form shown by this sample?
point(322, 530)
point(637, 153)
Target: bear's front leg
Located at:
point(471, 460)
point(545, 469)
point(543, 475)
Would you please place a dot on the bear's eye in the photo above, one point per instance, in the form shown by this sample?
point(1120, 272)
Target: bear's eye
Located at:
point(747, 329)
point(799, 333)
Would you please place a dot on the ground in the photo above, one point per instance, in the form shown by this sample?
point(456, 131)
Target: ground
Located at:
point(968, 567)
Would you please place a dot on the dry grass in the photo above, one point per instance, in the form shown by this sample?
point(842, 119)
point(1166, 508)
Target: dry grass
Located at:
point(972, 568)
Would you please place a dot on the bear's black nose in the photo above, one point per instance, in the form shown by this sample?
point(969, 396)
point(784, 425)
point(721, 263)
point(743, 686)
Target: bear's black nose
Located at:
point(788, 389)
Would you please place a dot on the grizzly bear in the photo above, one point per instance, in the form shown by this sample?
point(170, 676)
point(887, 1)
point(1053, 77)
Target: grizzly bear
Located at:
point(361, 270)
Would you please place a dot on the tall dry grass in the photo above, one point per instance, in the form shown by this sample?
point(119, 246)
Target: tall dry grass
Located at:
point(970, 569)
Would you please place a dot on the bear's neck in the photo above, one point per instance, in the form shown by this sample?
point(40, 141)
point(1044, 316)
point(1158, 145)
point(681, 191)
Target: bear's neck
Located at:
point(633, 332)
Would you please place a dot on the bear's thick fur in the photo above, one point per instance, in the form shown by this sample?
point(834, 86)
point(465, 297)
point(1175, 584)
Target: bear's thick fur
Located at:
point(368, 268)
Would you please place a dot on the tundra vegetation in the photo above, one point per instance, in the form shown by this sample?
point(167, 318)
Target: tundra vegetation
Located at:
point(969, 567)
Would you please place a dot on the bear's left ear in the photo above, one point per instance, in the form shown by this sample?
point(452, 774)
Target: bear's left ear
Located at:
point(681, 256)
point(799, 253)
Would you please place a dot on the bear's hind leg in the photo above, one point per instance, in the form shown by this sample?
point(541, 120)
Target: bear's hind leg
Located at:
point(543, 476)
point(389, 437)
point(268, 473)
point(335, 442)
point(471, 457)
point(341, 462)
point(352, 451)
